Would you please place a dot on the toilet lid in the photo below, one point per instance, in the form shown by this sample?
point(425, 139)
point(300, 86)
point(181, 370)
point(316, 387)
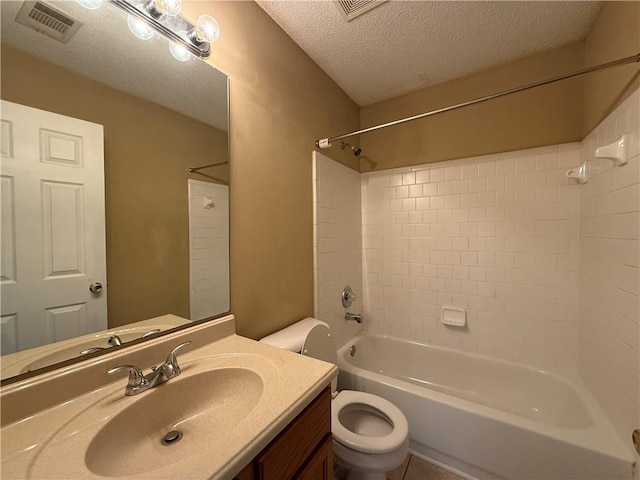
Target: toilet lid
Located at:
point(319, 344)
point(363, 443)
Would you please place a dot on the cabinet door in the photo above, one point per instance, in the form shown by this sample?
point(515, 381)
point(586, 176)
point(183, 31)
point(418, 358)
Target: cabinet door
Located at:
point(320, 465)
point(247, 473)
point(296, 443)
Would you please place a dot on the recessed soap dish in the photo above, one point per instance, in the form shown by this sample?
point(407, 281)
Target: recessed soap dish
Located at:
point(456, 317)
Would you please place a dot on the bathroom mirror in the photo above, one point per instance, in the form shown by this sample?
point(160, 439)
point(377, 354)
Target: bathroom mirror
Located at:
point(164, 244)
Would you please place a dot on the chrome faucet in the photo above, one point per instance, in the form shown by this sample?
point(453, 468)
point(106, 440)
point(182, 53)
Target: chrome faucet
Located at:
point(150, 332)
point(92, 350)
point(353, 316)
point(116, 341)
point(139, 382)
point(113, 341)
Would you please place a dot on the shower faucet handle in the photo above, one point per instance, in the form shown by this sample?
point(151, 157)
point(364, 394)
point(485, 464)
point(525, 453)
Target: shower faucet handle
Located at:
point(348, 297)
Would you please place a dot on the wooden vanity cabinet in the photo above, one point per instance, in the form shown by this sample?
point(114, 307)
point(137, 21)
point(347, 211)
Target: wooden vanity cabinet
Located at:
point(303, 450)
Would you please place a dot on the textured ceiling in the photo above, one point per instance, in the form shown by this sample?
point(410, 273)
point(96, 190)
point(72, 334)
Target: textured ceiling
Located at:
point(402, 46)
point(103, 49)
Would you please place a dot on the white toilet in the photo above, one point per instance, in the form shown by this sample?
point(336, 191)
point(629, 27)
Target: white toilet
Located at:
point(370, 434)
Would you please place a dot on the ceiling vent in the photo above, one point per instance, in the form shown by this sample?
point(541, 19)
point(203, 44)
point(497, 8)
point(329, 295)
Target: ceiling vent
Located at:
point(48, 20)
point(350, 9)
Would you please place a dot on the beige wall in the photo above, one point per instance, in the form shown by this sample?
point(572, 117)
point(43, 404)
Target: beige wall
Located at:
point(542, 116)
point(281, 102)
point(146, 202)
point(562, 112)
point(615, 34)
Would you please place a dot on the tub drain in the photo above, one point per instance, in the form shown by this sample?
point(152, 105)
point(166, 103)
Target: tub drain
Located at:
point(171, 438)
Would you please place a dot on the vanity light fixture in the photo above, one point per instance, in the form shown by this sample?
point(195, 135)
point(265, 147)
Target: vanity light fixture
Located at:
point(163, 16)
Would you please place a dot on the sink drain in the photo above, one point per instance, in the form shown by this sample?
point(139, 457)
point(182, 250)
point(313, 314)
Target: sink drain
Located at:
point(171, 438)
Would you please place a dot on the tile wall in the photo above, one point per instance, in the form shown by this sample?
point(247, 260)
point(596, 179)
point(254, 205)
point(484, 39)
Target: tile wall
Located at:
point(496, 235)
point(337, 244)
point(609, 275)
point(547, 270)
point(208, 249)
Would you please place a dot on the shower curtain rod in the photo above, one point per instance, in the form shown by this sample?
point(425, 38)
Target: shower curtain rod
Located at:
point(326, 142)
point(195, 169)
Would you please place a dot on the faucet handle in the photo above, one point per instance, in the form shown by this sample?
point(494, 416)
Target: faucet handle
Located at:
point(150, 332)
point(136, 377)
point(171, 367)
point(92, 350)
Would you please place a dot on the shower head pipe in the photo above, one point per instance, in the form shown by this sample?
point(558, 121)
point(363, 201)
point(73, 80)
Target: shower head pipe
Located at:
point(356, 150)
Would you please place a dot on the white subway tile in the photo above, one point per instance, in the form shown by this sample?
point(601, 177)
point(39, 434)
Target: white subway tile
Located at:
point(401, 192)
point(422, 176)
point(452, 172)
point(478, 184)
point(409, 178)
point(496, 183)
point(437, 174)
point(460, 215)
point(460, 186)
point(452, 201)
point(505, 234)
point(429, 189)
point(415, 191)
point(469, 170)
point(486, 167)
point(445, 187)
point(437, 203)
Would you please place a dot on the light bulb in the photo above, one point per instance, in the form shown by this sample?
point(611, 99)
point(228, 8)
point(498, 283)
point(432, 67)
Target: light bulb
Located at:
point(139, 28)
point(173, 7)
point(207, 29)
point(90, 4)
point(168, 7)
point(178, 51)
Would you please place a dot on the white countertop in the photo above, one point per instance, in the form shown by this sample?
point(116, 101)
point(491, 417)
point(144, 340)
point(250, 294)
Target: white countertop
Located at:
point(52, 443)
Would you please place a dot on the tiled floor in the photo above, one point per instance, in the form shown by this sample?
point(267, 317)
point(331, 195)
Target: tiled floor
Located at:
point(416, 469)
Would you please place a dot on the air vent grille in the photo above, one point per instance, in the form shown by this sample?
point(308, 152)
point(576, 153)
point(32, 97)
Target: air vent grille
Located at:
point(350, 9)
point(48, 20)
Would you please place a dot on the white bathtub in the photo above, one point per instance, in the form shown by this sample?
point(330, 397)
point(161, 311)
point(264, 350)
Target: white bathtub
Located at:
point(488, 418)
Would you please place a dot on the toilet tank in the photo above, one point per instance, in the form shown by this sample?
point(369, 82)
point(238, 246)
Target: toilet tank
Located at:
point(292, 338)
point(310, 337)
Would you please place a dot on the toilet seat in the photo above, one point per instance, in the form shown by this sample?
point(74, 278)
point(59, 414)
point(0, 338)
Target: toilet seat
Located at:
point(383, 441)
point(364, 443)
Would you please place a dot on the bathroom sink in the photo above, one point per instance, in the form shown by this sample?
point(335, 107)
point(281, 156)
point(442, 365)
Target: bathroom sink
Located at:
point(200, 407)
point(231, 399)
point(213, 403)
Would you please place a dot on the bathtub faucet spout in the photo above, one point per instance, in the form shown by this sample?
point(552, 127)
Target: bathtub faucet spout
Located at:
point(353, 316)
